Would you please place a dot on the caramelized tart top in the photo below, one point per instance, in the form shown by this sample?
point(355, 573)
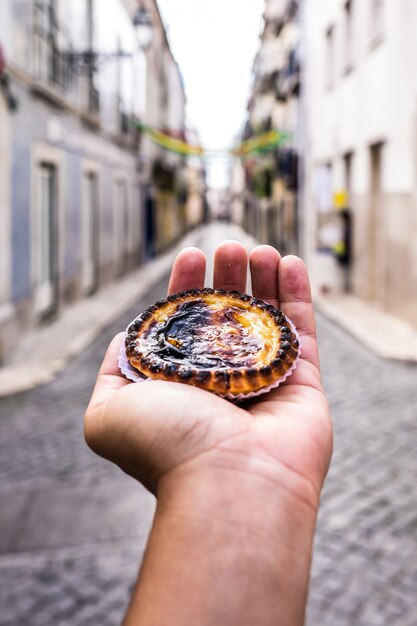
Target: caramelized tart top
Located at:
point(226, 342)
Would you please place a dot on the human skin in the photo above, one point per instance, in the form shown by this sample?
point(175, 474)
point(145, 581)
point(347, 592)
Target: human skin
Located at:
point(237, 487)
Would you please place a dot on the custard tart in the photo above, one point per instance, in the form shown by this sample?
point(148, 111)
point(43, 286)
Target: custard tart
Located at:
point(226, 342)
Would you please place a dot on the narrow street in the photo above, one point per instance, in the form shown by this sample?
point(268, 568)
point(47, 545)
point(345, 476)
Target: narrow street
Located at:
point(73, 528)
point(130, 129)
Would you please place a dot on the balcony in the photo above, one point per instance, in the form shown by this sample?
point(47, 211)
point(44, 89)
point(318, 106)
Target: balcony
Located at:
point(57, 75)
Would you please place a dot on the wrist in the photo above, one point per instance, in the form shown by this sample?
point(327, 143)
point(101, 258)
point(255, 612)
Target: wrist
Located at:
point(244, 541)
point(280, 509)
point(238, 479)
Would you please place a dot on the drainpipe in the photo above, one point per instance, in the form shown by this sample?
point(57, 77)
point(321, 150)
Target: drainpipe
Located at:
point(5, 87)
point(302, 133)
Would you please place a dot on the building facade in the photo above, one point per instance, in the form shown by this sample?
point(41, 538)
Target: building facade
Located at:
point(165, 110)
point(269, 203)
point(361, 166)
point(73, 186)
point(197, 210)
point(6, 308)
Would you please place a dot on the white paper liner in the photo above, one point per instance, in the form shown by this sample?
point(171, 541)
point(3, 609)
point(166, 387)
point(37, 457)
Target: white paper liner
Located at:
point(131, 373)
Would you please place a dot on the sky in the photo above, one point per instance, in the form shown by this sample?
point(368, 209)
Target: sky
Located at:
point(214, 42)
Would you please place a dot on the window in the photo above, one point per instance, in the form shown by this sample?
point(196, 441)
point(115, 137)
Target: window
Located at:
point(45, 238)
point(330, 50)
point(377, 17)
point(348, 35)
point(45, 18)
point(51, 61)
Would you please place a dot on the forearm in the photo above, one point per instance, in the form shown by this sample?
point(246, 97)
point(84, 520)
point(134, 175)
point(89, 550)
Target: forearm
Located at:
point(226, 551)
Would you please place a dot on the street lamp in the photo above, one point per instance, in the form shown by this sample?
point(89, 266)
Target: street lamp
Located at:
point(144, 28)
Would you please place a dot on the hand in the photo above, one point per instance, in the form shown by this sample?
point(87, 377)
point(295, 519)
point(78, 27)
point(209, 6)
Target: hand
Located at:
point(162, 432)
point(237, 487)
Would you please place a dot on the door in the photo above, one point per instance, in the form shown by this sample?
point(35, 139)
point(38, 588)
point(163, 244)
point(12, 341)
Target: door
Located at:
point(375, 223)
point(45, 239)
point(347, 223)
point(89, 233)
point(150, 226)
point(348, 160)
point(120, 226)
point(135, 222)
point(5, 215)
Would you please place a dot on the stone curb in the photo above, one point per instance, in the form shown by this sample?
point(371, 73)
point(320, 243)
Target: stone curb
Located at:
point(51, 347)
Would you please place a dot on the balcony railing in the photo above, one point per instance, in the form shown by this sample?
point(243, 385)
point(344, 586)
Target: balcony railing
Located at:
point(288, 82)
point(51, 65)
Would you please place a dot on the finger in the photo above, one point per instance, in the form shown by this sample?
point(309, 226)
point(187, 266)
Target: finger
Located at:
point(296, 304)
point(264, 261)
point(188, 271)
point(230, 266)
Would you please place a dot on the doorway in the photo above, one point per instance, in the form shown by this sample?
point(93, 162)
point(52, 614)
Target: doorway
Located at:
point(45, 239)
point(89, 233)
point(375, 223)
point(120, 226)
point(5, 212)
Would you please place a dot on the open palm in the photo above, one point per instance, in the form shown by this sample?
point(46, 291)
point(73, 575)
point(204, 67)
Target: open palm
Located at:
point(158, 429)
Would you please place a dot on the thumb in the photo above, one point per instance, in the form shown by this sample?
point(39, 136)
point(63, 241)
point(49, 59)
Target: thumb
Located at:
point(109, 381)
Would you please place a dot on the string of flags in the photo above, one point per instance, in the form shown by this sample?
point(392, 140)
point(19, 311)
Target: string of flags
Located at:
point(260, 144)
point(172, 144)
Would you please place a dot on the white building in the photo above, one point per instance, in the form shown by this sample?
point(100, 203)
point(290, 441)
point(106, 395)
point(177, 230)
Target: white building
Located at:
point(6, 309)
point(269, 207)
point(361, 107)
point(73, 194)
point(165, 111)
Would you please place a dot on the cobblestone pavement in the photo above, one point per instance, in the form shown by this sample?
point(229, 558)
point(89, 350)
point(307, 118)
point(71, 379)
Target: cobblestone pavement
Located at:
point(68, 520)
point(365, 559)
point(69, 561)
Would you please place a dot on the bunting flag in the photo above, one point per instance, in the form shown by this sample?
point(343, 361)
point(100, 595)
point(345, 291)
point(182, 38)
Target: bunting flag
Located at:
point(260, 144)
point(171, 143)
